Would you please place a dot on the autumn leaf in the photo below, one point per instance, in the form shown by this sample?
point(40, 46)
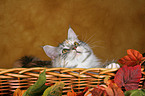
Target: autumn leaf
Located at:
point(113, 89)
point(133, 58)
point(135, 92)
point(38, 88)
point(72, 93)
point(18, 92)
point(82, 93)
point(99, 92)
point(128, 77)
point(54, 90)
point(110, 89)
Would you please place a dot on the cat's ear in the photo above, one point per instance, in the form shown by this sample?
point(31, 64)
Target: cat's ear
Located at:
point(71, 34)
point(50, 51)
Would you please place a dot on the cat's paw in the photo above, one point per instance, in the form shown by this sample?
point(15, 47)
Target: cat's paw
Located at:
point(113, 65)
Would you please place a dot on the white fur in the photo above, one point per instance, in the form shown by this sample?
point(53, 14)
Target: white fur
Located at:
point(81, 57)
point(50, 51)
point(113, 65)
point(71, 35)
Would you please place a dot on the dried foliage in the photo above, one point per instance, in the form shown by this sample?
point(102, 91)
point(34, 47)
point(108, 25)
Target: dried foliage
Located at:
point(127, 76)
point(132, 58)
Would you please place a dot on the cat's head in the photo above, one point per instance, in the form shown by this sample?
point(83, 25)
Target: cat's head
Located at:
point(71, 48)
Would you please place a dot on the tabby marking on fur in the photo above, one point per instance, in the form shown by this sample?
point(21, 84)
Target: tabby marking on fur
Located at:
point(72, 53)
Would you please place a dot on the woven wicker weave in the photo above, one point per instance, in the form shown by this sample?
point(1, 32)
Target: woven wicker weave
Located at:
point(11, 79)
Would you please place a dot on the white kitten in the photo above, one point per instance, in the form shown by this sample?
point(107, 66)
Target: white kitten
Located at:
point(72, 53)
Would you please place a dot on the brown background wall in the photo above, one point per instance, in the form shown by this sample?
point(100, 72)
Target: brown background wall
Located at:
point(25, 25)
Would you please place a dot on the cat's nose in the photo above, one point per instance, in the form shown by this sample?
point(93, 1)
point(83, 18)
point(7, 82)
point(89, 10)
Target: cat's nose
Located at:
point(74, 48)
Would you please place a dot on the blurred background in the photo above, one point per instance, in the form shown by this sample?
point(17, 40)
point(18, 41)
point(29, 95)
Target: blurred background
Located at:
point(109, 26)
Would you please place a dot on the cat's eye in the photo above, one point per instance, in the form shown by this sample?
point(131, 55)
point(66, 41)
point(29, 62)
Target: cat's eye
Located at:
point(65, 51)
point(76, 43)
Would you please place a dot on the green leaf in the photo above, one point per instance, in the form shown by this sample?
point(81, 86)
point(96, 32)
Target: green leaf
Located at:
point(55, 90)
point(135, 92)
point(38, 88)
point(128, 93)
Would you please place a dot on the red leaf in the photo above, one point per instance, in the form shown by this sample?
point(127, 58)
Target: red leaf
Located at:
point(82, 93)
point(143, 84)
point(49, 84)
point(99, 92)
point(133, 58)
point(128, 77)
point(113, 89)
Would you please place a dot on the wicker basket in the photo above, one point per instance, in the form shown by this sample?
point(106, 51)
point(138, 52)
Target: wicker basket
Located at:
point(11, 79)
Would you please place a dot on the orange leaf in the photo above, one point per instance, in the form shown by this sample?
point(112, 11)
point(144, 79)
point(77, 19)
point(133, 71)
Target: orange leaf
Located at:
point(117, 90)
point(19, 92)
point(132, 54)
point(82, 93)
point(71, 93)
point(22, 92)
point(133, 58)
point(109, 91)
point(113, 89)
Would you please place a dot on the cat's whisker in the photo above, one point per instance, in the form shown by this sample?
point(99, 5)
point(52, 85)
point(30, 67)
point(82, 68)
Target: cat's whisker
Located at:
point(90, 38)
point(94, 42)
point(57, 42)
point(96, 46)
point(85, 37)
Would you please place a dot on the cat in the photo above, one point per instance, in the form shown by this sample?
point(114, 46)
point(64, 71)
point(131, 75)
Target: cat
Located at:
point(72, 53)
